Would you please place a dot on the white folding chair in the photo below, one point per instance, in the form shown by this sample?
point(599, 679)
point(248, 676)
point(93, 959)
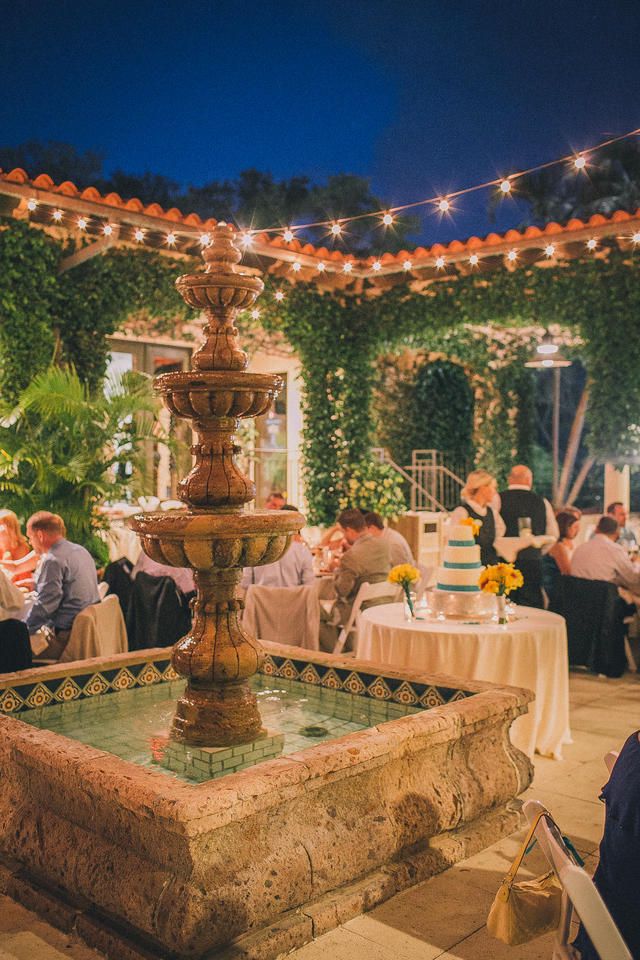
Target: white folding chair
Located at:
point(610, 759)
point(103, 589)
point(578, 892)
point(367, 591)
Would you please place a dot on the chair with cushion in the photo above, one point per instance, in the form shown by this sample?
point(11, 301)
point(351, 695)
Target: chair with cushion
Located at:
point(118, 577)
point(383, 592)
point(594, 612)
point(284, 614)
point(158, 614)
point(97, 631)
point(578, 893)
point(15, 648)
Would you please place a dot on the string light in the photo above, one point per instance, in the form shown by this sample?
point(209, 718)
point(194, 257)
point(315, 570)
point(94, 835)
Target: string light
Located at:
point(204, 240)
point(32, 204)
point(170, 239)
point(336, 229)
point(549, 249)
point(139, 235)
point(512, 256)
point(107, 229)
point(246, 240)
point(376, 265)
point(505, 186)
point(592, 244)
point(580, 162)
point(474, 259)
point(82, 223)
point(347, 267)
point(406, 265)
point(387, 219)
point(288, 235)
point(255, 314)
point(444, 205)
point(635, 239)
point(296, 266)
point(440, 262)
point(279, 295)
point(57, 215)
point(321, 267)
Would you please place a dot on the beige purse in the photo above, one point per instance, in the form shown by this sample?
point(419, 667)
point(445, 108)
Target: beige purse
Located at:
point(526, 910)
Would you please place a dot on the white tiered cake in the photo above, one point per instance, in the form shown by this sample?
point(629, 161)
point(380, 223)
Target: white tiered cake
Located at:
point(457, 594)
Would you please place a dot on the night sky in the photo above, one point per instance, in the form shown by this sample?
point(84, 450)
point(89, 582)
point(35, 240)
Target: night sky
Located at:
point(422, 97)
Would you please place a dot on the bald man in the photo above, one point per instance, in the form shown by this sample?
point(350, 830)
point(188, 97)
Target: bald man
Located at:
point(517, 501)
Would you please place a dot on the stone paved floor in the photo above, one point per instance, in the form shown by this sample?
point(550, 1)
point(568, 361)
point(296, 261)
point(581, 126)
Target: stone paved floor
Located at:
point(443, 917)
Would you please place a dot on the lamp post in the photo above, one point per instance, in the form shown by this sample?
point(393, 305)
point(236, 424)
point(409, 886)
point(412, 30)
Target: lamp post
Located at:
point(547, 356)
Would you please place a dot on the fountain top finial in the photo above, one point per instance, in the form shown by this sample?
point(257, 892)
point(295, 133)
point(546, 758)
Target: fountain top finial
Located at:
point(222, 255)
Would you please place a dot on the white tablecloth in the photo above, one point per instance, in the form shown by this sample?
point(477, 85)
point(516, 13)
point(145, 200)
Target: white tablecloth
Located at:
point(529, 652)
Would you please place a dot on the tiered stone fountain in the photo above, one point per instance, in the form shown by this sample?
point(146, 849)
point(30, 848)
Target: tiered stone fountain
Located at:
point(216, 536)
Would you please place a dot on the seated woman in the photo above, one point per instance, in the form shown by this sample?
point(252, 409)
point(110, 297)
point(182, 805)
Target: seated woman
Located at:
point(476, 496)
point(618, 874)
point(557, 562)
point(17, 559)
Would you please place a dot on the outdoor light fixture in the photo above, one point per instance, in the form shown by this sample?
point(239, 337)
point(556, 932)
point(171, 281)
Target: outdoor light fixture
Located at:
point(82, 223)
point(296, 267)
point(407, 265)
point(57, 215)
point(321, 267)
point(107, 229)
point(547, 356)
point(288, 235)
point(549, 249)
point(592, 244)
point(205, 239)
point(376, 265)
point(512, 256)
point(580, 163)
point(440, 262)
point(636, 237)
point(474, 259)
point(347, 267)
point(336, 229)
point(443, 205)
point(387, 219)
point(139, 235)
point(505, 186)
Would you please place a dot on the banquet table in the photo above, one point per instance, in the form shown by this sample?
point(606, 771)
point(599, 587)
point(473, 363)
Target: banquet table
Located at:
point(530, 652)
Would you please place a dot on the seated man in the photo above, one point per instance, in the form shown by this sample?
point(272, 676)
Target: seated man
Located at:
point(618, 512)
point(294, 569)
point(275, 501)
point(399, 549)
point(366, 561)
point(602, 558)
point(66, 580)
point(182, 576)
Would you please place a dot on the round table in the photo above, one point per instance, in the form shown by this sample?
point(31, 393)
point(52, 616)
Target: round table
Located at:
point(530, 652)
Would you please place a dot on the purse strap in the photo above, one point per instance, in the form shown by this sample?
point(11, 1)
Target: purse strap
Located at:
point(515, 866)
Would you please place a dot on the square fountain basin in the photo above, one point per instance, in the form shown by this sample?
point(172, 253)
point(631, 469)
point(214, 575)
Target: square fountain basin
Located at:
point(258, 861)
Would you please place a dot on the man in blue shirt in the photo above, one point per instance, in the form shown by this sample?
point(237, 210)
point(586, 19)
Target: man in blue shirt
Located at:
point(66, 580)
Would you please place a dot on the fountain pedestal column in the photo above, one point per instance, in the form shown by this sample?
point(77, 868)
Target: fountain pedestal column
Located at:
point(216, 537)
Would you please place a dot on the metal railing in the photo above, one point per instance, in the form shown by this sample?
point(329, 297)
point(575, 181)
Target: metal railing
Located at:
point(432, 483)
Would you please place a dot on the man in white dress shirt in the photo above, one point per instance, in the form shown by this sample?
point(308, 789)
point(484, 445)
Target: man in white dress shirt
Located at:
point(602, 558)
point(399, 549)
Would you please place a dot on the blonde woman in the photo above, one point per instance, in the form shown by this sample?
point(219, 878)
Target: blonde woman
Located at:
point(16, 557)
point(476, 496)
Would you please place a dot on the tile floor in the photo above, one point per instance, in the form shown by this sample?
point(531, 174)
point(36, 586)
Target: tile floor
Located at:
point(443, 917)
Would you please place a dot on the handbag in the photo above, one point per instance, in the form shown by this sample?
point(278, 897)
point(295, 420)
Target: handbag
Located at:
point(523, 911)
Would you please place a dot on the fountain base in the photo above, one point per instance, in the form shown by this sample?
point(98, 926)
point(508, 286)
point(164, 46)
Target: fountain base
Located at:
point(216, 714)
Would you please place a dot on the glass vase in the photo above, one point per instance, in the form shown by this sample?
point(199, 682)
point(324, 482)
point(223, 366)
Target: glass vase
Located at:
point(503, 615)
point(409, 601)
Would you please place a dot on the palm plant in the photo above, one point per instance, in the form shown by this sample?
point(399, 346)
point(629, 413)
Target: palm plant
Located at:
point(68, 450)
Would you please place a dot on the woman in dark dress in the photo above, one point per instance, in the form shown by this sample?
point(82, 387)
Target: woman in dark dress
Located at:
point(476, 496)
point(618, 875)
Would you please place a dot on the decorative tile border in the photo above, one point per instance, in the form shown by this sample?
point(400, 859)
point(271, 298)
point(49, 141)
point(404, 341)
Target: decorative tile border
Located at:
point(45, 692)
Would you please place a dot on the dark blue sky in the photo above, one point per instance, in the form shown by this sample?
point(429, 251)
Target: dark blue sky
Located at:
point(420, 96)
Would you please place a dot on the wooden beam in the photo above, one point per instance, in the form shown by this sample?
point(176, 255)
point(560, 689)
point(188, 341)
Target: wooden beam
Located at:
point(89, 252)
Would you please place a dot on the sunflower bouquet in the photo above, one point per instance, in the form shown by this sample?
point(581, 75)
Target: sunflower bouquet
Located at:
point(405, 575)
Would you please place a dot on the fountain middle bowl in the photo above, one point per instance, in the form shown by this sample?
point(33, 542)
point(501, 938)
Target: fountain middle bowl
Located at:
point(204, 541)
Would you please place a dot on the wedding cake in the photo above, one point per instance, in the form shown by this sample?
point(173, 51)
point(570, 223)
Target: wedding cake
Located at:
point(457, 594)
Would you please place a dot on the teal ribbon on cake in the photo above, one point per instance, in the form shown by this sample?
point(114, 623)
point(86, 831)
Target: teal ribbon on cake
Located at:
point(461, 543)
point(459, 588)
point(462, 566)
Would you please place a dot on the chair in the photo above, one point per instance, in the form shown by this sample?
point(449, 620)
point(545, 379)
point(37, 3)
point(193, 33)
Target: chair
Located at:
point(382, 592)
point(610, 759)
point(288, 615)
point(117, 575)
point(158, 613)
point(578, 892)
point(15, 648)
point(97, 631)
point(103, 589)
point(594, 613)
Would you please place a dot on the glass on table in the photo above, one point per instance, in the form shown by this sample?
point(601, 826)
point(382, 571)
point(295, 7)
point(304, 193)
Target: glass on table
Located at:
point(524, 527)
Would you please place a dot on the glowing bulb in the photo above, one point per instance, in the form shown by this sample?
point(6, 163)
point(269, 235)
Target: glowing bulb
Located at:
point(505, 186)
point(296, 267)
point(547, 363)
point(139, 235)
point(580, 163)
point(170, 239)
point(57, 215)
point(279, 295)
point(636, 237)
point(288, 235)
point(387, 219)
point(204, 239)
point(321, 266)
point(440, 262)
point(474, 259)
point(407, 265)
point(549, 249)
point(336, 229)
point(376, 265)
point(32, 204)
point(107, 229)
point(82, 223)
point(444, 205)
point(592, 244)
point(512, 255)
point(347, 267)
point(246, 239)
point(255, 314)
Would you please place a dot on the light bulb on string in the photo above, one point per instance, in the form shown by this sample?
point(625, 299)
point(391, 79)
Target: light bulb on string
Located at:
point(204, 239)
point(443, 205)
point(170, 239)
point(57, 215)
point(347, 267)
point(550, 249)
point(32, 204)
point(440, 262)
point(107, 229)
point(288, 235)
point(512, 256)
point(296, 266)
point(139, 235)
point(505, 186)
point(635, 239)
point(246, 240)
point(474, 259)
point(321, 267)
point(592, 243)
point(376, 265)
point(279, 296)
point(406, 265)
point(81, 223)
point(336, 229)
point(255, 314)
point(580, 162)
point(387, 219)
